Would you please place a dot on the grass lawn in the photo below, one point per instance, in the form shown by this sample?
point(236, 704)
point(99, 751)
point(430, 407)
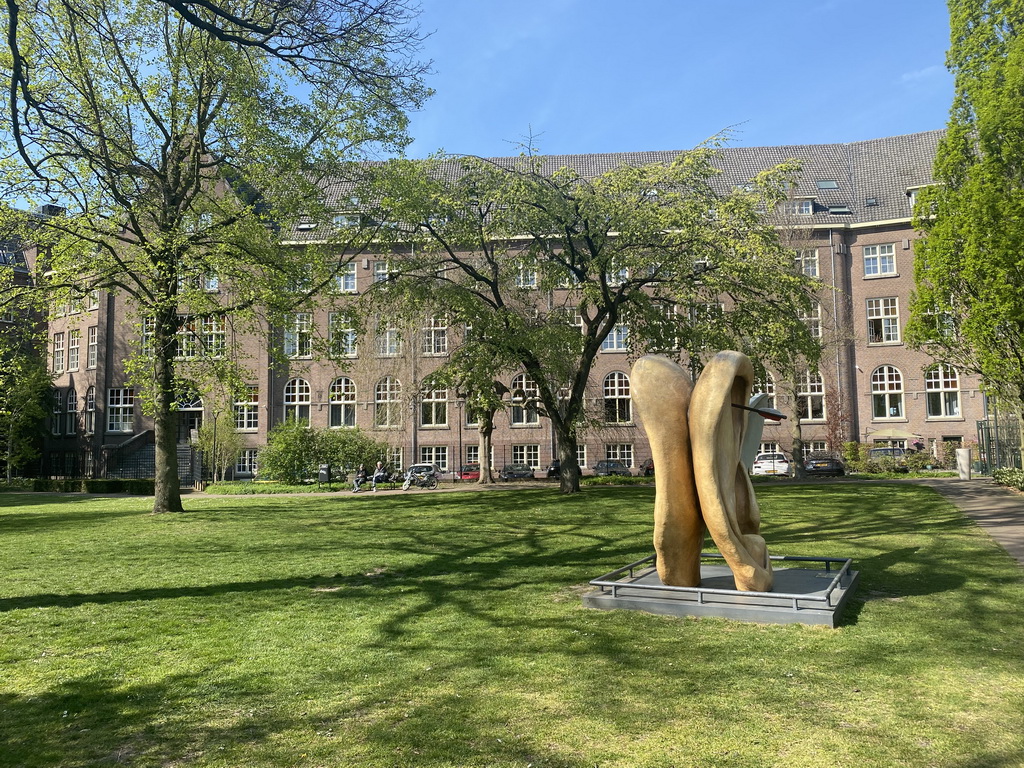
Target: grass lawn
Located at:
point(445, 629)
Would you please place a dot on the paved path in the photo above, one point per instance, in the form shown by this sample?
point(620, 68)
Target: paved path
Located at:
point(998, 510)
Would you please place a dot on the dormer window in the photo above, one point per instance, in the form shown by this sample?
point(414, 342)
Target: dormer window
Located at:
point(804, 207)
point(347, 220)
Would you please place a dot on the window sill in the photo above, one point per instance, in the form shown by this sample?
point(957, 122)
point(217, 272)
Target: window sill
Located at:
point(524, 426)
point(944, 418)
point(885, 343)
point(881, 277)
point(614, 351)
point(434, 427)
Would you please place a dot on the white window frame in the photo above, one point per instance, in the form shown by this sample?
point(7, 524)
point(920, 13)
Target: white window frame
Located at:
point(524, 409)
point(618, 403)
point(810, 398)
point(297, 400)
point(621, 452)
point(345, 279)
point(812, 320)
point(89, 425)
point(803, 207)
point(806, 261)
point(246, 465)
point(880, 260)
point(342, 403)
point(436, 455)
point(883, 315)
point(617, 339)
point(435, 337)
point(57, 360)
point(434, 408)
point(887, 393)
point(298, 336)
point(342, 335)
point(247, 410)
point(942, 392)
point(121, 409)
point(71, 413)
point(74, 349)
point(387, 402)
point(92, 347)
point(528, 454)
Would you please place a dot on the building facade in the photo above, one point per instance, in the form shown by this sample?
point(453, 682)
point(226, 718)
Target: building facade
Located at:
point(847, 219)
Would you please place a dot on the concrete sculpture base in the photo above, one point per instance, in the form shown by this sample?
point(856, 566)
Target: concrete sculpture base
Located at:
point(799, 595)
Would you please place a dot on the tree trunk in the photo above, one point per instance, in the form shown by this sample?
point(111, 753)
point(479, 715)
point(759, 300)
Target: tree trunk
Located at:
point(569, 475)
point(798, 449)
point(167, 492)
point(486, 429)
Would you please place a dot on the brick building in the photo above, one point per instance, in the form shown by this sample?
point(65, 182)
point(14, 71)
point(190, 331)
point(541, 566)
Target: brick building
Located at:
point(847, 219)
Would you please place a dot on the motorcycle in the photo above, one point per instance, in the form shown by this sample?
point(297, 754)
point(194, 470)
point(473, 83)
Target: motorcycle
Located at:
point(420, 479)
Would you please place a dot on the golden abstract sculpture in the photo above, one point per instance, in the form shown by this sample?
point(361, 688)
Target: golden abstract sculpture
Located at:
point(696, 441)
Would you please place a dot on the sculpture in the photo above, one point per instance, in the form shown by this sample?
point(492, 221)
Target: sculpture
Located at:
point(697, 437)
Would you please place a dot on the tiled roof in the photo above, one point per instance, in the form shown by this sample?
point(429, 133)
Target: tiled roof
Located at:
point(871, 177)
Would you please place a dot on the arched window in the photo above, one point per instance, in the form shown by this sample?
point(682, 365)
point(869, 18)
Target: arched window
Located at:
point(387, 398)
point(887, 393)
point(524, 400)
point(343, 402)
point(617, 401)
point(71, 413)
point(296, 400)
point(766, 386)
point(90, 410)
point(942, 388)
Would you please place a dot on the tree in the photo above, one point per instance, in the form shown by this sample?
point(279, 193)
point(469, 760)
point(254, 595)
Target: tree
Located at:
point(968, 308)
point(24, 393)
point(220, 443)
point(544, 267)
point(183, 138)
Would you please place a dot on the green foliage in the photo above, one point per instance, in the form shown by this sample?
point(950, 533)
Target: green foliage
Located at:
point(651, 249)
point(290, 454)
point(294, 451)
point(24, 391)
point(968, 309)
point(1012, 478)
point(183, 152)
point(220, 443)
point(853, 456)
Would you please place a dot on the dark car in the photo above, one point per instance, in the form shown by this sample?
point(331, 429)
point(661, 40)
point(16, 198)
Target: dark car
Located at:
point(611, 467)
point(470, 472)
point(516, 472)
point(555, 469)
point(647, 468)
point(823, 465)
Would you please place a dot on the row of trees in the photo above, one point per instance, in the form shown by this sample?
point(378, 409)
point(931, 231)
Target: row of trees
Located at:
point(186, 139)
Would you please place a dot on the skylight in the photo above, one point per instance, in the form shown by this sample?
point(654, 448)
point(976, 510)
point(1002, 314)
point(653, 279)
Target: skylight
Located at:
point(827, 184)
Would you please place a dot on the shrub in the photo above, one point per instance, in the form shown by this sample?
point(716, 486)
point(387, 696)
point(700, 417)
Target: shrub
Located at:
point(103, 486)
point(1012, 478)
point(854, 456)
point(140, 487)
point(295, 451)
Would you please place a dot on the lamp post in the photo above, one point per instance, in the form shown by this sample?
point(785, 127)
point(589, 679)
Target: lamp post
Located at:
point(458, 460)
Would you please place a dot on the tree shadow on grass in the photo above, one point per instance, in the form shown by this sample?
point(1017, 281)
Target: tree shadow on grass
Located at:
point(92, 721)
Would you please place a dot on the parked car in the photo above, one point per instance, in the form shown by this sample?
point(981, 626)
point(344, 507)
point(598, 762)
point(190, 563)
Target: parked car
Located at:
point(555, 469)
point(516, 472)
point(647, 468)
point(423, 470)
point(897, 455)
point(470, 472)
point(823, 465)
point(770, 464)
point(611, 467)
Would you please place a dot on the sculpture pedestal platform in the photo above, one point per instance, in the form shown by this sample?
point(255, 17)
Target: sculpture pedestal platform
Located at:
point(801, 595)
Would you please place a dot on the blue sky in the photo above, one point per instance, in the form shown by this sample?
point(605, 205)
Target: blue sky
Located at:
point(586, 76)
